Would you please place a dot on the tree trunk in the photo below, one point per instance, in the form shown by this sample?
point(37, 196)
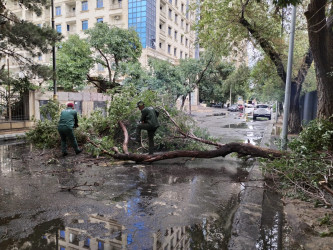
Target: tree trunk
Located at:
point(296, 88)
point(294, 120)
point(321, 43)
point(183, 102)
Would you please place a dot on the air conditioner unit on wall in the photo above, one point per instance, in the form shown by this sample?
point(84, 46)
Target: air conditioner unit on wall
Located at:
point(116, 17)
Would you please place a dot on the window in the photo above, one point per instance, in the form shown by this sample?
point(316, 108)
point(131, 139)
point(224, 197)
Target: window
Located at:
point(87, 240)
point(186, 27)
point(176, 18)
point(182, 23)
point(185, 55)
point(40, 58)
point(176, 2)
point(160, 45)
point(169, 31)
point(182, 7)
point(176, 35)
point(169, 48)
point(170, 1)
point(181, 54)
point(99, 20)
point(99, 4)
point(62, 234)
point(58, 28)
point(101, 106)
point(175, 51)
point(73, 238)
point(58, 11)
point(85, 25)
point(186, 42)
point(182, 38)
point(68, 27)
point(170, 13)
point(100, 245)
point(84, 5)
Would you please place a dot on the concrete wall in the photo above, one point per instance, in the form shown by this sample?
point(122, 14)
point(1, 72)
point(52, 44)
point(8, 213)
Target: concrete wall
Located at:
point(32, 105)
point(87, 99)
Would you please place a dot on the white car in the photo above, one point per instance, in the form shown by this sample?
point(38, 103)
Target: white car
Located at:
point(248, 109)
point(262, 110)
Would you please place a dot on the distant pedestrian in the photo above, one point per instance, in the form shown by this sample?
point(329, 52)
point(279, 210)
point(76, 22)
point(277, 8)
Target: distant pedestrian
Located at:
point(68, 121)
point(148, 122)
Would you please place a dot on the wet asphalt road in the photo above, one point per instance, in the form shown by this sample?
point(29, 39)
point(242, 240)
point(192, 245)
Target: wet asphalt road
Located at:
point(174, 204)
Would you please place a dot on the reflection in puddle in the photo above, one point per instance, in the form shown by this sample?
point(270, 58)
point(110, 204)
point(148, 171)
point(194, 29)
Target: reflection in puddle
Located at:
point(109, 234)
point(8, 152)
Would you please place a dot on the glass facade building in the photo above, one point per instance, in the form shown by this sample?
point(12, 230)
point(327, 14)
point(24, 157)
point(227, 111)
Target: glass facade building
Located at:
point(142, 17)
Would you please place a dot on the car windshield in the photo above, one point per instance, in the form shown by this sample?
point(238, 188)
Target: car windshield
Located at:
point(262, 106)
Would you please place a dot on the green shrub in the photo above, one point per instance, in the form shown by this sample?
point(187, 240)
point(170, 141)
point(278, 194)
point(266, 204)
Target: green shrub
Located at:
point(309, 161)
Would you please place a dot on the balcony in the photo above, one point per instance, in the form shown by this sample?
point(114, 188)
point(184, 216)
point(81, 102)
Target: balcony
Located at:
point(70, 14)
point(115, 6)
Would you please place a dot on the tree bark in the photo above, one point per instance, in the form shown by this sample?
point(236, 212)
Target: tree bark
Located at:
point(241, 148)
point(321, 43)
point(296, 88)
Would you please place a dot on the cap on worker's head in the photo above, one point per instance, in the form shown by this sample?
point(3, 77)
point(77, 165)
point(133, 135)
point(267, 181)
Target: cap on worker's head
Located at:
point(70, 104)
point(140, 104)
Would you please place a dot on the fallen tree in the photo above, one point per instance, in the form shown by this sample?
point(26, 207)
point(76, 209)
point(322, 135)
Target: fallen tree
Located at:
point(242, 149)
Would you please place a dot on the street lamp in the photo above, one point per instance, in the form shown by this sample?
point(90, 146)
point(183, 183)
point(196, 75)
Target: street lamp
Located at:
point(54, 57)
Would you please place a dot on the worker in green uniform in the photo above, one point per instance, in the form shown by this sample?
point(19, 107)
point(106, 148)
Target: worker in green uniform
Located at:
point(148, 122)
point(68, 121)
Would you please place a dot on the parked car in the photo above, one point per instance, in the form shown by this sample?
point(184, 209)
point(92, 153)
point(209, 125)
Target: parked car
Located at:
point(240, 107)
point(262, 110)
point(217, 105)
point(233, 108)
point(248, 109)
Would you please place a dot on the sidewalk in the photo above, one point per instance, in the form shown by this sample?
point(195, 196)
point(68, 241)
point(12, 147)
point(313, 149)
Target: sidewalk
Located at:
point(247, 220)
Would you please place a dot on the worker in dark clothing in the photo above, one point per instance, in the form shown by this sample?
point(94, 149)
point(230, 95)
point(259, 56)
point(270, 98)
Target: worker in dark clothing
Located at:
point(148, 122)
point(68, 121)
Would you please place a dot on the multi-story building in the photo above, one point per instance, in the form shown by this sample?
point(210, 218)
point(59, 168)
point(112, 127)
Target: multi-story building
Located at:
point(164, 26)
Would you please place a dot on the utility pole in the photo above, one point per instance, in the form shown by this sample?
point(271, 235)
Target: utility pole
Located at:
point(55, 97)
point(288, 81)
point(9, 104)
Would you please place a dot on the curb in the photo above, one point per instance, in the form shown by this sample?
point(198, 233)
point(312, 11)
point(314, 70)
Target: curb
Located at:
point(16, 136)
point(246, 225)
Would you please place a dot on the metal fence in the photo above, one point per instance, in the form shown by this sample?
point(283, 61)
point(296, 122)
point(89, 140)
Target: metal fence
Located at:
point(13, 108)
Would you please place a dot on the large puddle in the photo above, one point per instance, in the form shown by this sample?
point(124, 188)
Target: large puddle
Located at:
point(78, 203)
point(173, 205)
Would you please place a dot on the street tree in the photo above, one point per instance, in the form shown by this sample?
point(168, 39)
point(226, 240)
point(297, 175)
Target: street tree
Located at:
point(192, 72)
point(237, 83)
point(259, 23)
point(319, 18)
point(17, 36)
point(74, 61)
point(211, 87)
point(112, 47)
point(165, 78)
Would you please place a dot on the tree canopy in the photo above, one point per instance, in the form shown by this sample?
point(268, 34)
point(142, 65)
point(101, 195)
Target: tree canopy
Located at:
point(113, 46)
point(17, 36)
point(74, 61)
